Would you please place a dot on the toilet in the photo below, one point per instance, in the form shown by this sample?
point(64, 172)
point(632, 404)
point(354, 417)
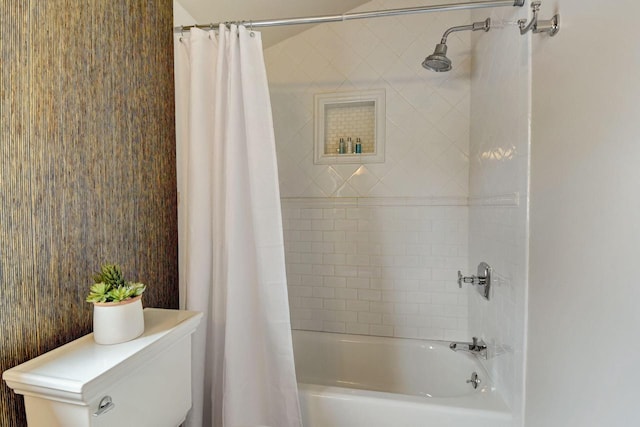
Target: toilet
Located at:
point(143, 382)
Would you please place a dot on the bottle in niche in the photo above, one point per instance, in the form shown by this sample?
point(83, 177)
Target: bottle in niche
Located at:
point(349, 146)
point(341, 146)
point(358, 146)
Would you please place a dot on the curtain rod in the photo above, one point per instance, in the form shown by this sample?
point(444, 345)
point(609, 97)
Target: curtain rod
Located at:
point(362, 15)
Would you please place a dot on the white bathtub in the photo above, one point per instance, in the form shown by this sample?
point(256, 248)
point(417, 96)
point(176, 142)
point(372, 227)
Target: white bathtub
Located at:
point(361, 381)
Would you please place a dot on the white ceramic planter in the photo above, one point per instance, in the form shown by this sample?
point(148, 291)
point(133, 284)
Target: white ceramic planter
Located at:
point(116, 322)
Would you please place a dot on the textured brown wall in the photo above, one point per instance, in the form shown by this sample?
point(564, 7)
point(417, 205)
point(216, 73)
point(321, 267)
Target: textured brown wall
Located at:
point(87, 166)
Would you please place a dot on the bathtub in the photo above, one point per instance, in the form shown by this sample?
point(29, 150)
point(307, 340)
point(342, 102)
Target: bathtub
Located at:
point(361, 381)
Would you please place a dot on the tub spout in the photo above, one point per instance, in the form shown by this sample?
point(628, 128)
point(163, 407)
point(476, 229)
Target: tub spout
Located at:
point(477, 347)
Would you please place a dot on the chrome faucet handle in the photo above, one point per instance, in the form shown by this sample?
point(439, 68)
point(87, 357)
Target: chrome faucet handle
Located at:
point(466, 279)
point(482, 280)
point(474, 380)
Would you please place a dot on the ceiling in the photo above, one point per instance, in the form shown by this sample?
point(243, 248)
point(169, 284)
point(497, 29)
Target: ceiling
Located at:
point(207, 11)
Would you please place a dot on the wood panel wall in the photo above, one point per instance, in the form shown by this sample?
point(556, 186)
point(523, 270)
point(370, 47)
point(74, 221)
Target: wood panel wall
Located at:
point(87, 166)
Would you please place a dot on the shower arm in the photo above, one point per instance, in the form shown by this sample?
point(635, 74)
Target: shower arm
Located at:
point(476, 26)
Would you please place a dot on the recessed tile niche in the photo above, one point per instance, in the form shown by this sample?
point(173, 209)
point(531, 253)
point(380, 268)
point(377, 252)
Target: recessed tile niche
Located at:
point(349, 127)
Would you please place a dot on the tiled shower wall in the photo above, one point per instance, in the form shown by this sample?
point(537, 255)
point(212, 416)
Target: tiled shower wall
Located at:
point(374, 248)
point(379, 270)
point(499, 195)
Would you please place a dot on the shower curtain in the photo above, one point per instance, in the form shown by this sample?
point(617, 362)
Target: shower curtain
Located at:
point(231, 244)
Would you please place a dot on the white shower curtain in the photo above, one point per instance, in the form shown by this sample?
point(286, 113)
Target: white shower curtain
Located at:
point(231, 245)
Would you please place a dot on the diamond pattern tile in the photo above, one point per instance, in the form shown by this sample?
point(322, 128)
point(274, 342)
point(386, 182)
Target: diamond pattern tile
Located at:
point(427, 113)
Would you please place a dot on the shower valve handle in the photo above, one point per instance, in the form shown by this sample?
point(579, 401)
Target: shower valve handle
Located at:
point(482, 280)
point(474, 280)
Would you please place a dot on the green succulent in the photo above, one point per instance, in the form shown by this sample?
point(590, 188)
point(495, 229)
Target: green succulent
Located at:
point(110, 286)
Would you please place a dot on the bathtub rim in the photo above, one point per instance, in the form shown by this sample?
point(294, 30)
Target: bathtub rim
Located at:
point(489, 403)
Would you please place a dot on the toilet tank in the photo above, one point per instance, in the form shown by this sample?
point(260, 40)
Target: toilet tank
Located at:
point(147, 380)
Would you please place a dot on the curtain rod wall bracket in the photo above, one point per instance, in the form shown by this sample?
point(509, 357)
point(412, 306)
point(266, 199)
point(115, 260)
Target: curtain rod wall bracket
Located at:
point(549, 26)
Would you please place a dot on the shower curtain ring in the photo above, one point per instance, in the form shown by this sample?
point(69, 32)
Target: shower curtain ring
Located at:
point(181, 33)
point(251, 33)
point(211, 30)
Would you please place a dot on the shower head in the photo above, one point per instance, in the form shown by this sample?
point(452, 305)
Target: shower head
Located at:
point(438, 61)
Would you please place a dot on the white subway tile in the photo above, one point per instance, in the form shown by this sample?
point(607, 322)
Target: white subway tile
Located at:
point(334, 281)
point(300, 291)
point(309, 280)
point(294, 280)
point(444, 322)
point(299, 268)
point(334, 304)
point(334, 213)
point(367, 248)
point(299, 247)
point(406, 261)
point(355, 305)
point(444, 274)
point(333, 236)
point(406, 308)
point(301, 314)
point(417, 320)
point(373, 272)
point(320, 247)
point(322, 292)
point(345, 224)
point(368, 295)
point(311, 258)
point(357, 236)
point(346, 270)
point(358, 260)
point(381, 260)
point(419, 297)
point(358, 282)
point(444, 299)
point(393, 296)
point(310, 213)
point(406, 284)
point(299, 224)
point(322, 224)
point(418, 249)
point(381, 284)
point(381, 307)
point(291, 235)
point(371, 318)
point(311, 236)
point(308, 302)
point(323, 270)
point(334, 259)
point(346, 294)
point(345, 247)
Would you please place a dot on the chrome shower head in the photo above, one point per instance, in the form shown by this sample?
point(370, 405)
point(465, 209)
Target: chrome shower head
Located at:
point(438, 61)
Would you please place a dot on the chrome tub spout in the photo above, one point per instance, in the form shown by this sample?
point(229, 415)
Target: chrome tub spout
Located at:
point(477, 347)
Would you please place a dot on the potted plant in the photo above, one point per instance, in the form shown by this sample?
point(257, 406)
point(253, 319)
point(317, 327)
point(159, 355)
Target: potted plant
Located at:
point(117, 306)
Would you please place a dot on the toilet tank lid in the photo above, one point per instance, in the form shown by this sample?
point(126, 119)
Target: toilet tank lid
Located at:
point(81, 365)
